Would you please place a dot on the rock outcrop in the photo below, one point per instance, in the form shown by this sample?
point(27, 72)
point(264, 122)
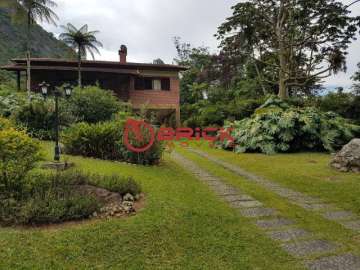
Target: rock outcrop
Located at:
point(348, 159)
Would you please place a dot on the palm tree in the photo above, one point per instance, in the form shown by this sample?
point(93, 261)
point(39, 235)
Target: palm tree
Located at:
point(82, 40)
point(31, 11)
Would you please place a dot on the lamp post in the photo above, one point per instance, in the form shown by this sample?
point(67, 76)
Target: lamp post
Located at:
point(57, 93)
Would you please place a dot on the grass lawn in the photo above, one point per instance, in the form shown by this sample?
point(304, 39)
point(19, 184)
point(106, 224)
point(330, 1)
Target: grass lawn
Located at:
point(308, 173)
point(183, 226)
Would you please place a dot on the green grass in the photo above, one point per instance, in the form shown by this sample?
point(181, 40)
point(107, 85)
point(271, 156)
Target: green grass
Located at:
point(183, 226)
point(309, 173)
point(286, 169)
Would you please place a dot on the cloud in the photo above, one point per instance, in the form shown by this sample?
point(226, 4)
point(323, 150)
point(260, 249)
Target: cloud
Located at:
point(147, 27)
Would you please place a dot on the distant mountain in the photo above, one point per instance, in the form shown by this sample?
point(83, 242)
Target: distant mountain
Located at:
point(13, 41)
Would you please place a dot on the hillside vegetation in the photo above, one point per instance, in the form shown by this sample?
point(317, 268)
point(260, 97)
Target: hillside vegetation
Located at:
point(13, 41)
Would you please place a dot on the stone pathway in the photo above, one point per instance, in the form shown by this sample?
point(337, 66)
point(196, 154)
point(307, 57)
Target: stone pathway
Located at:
point(330, 212)
point(293, 239)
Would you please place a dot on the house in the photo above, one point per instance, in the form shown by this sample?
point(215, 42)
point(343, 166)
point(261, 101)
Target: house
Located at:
point(155, 86)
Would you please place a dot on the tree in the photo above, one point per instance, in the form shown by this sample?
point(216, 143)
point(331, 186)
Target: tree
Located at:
point(83, 41)
point(303, 41)
point(158, 61)
point(31, 11)
point(197, 60)
point(356, 79)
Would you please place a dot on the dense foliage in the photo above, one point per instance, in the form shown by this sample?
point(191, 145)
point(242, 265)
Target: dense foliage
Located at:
point(18, 155)
point(205, 113)
point(13, 41)
point(345, 104)
point(279, 127)
point(90, 104)
point(93, 104)
point(10, 100)
point(35, 197)
point(291, 39)
point(39, 118)
point(105, 141)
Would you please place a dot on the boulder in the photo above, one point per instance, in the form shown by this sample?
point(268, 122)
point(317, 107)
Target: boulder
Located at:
point(348, 158)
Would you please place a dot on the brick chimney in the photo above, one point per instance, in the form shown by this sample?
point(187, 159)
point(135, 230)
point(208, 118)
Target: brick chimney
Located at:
point(123, 54)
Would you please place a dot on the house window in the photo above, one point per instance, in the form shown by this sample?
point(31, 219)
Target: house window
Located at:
point(156, 84)
point(148, 83)
point(139, 83)
point(143, 83)
point(165, 84)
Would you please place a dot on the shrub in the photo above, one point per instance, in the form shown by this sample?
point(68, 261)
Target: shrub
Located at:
point(279, 127)
point(56, 207)
point(18, 155)
point(10, 101)
point(92, 104)
point(345, 104)
point(204, 113)
point(38, 117)
point(93, 140)
point(105, 141)
point(47, 198)
point(119, 184)
point(57, 197)
point(5, 124)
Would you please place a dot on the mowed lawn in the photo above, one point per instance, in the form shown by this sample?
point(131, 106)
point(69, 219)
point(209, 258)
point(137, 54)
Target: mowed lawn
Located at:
point(306, 172)
point(183, 226)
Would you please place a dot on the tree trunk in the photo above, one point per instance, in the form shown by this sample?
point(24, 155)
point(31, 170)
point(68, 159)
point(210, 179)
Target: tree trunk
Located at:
point(79, 68)
point(28, 56)
point(260, 77)
point(283, 91)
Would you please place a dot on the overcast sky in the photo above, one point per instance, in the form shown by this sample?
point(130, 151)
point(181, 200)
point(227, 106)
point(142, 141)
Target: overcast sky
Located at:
point(147, 27)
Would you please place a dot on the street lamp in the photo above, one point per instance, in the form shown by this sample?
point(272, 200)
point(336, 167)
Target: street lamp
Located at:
point(68, 90)
point(44, 88)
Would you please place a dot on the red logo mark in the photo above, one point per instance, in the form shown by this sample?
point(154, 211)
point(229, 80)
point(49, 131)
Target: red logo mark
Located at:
point(139, 136)
point(138, 128)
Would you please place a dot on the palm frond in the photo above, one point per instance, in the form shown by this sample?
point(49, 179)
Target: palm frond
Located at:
point(81, 38)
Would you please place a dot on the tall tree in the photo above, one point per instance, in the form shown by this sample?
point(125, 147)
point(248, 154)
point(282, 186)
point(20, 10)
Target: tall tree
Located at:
point(303, 41)
point(31, 11)
point(83, 41)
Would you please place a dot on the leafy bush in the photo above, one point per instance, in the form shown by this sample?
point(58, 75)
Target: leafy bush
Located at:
point(10, 100)
point(121, 185)
point(57, 197)
point(38, 117)
point(5, 124)
point(93, 140)
point(345, 104)
point(47, 198)
point(205, 113)
point(56, 207)
point(105, 141)
point(18, 155)
point(279, 127)
point(93, 104)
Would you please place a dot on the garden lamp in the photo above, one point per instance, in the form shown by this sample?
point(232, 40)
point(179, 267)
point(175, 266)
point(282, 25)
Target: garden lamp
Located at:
point(68, 90)
point(44, 88)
